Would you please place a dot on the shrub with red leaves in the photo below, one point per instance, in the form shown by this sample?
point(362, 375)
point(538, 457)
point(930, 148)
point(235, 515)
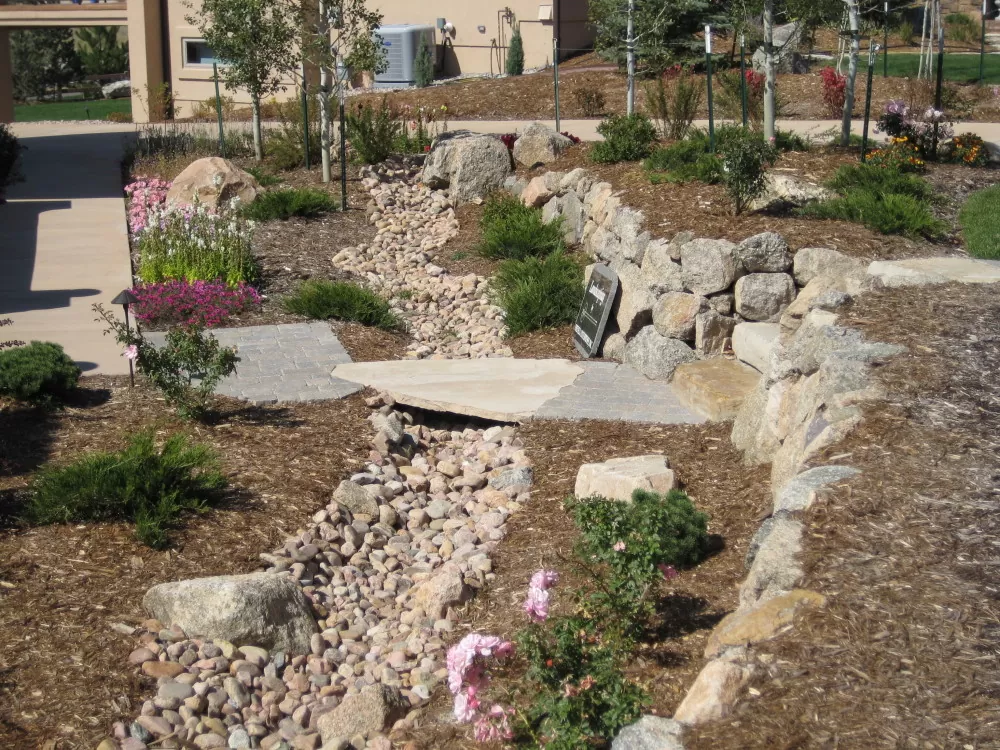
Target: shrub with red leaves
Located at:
point(572, 137)
point(509, 139)
point(834, 91)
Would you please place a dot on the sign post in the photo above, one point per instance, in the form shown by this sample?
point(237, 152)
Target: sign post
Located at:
point(598, 299)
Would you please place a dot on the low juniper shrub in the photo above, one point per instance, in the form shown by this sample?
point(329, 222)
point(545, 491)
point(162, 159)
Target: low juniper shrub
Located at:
point(186, 303)
point(141, 483)
point(537, 293)
point(512, 230)
point(305, 203)
point(320, 299)
point(186, 368)
point(626, 138)
point(39, 373)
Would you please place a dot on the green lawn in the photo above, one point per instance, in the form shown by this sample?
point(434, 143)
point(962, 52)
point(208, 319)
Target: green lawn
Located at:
point(959, 68)
point(980, 222)
point(76, 110)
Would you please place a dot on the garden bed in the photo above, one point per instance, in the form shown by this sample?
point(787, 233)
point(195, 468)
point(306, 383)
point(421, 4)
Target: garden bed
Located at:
point(711, 472)
point(64, 670)
point(705, 211)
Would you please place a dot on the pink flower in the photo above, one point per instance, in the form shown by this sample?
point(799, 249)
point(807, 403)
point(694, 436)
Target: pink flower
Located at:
point(494, 725)
point(544, 579)
point(619, 546)
point(131, 353)
point(461, 658)
point(669, 571)
point(466, 706)
point(536, 605)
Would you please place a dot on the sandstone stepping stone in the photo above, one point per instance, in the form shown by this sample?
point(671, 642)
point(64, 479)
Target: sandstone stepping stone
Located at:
point(505, 390)
point(923, 271)
point(753, 343)
point(618, 478)
point(748, 626)
point(715, 387)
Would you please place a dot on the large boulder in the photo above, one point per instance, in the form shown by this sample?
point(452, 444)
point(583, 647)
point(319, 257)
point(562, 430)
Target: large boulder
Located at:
point(375, 709)
point(570, 209)
point(650, 733)
point(712, 332)
point(117, 89)
point(634, 306)
point(212, 182)
point(814, 262)
point(754, 342)
point(661, 272)
point(786, 40)
point(764, 253)
point(539, 144)
point(762, 296)
point(783, 192)
point(674, 314)
point(714, 693)
point(257, 609)
point(468, 164)
point(446, 588)
point(709, 266)
point(618, 478)
point(656, 356)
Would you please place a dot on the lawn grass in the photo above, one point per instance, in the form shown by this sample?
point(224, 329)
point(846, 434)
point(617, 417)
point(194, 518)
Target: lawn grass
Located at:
point(957, 67)
point(76, 110)
point(980, 222)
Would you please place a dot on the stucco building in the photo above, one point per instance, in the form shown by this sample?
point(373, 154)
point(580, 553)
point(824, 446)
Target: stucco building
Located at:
point(471, 37)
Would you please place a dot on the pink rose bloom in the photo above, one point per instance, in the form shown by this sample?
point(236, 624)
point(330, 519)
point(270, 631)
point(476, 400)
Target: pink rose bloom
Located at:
point(537, 604)
point(466, 705)
point(131, 353)
point(669, 571)
point(544, 579)
point(619, 546)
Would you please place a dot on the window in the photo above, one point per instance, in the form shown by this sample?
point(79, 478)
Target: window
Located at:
point(198, 54)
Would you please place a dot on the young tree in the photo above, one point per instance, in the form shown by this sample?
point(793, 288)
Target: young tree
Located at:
point(339, 36)
point(515, 53)
point(256, 40)
point(423, 66)
point(854, 23)
point(43, 59)
point(100, 50)
point(770, 73)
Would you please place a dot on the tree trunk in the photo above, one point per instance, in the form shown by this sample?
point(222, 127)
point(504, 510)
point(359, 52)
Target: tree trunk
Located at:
point(324, 120)
point(770, 71)
point(258, 141)
point(852, 71)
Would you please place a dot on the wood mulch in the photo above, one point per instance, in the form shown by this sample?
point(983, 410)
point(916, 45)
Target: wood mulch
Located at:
point(542, 535)
point(906, 652)
point(705, 210)
point(64, 677)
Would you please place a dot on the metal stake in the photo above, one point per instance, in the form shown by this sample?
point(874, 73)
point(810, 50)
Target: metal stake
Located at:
point(555, 76)
point(343, 151)
point(885, 46)
point(218, 114)
point(708, 66)
point(305, 115)
point(940, 83)
point(872, 51)
point(982, 46)
point(743, 78)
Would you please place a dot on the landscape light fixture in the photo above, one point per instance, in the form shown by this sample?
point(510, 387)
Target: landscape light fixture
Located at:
point(125, 298)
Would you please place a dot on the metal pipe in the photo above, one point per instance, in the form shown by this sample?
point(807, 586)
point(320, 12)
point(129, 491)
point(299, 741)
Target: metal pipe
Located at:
point(708, 67)
point(885, 58)
point(218, 116)
point(743, 78)
point(555, 76)
point(940, 82)
point(982, 46)
point(630, 59)
point(872, 50)
point(305, 115)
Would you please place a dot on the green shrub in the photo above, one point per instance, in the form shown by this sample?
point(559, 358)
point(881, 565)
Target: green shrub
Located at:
point(10, 158)
point(626, 138)
point(590, 100)
point(141, 484)
point(684, 161)
point(961, 28)
point(786, 140)
point(852, 177)
point(423, 65)
point(887, 213)
point(321, 300)
point(373, 131)
point(967, 149)
point(40, 372)
point(186, 368)
point(284, 204)
point(537, 293)
point(980, 222)
point(634, 541)
point(197, 246)
point(746, 157)
point(515, 52)
point(264, 179)
point(512, 230)
point(673, 100)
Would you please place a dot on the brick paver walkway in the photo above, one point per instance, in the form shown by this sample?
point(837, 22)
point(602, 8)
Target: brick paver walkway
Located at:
point(607, 390)
point(280, 363)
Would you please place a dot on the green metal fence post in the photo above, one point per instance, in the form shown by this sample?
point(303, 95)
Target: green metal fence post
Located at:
point(708, 67)
point(218, 111)
point(872, 51)
point(982, 45)
point(305, 119)
point(940, 83)
point(885, 46)
point(743, 78)
point(555, 77)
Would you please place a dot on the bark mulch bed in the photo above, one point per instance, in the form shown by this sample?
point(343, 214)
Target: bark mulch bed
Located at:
point(64, 677)
point(706, 211)
point(709, 469)
point(906, 652)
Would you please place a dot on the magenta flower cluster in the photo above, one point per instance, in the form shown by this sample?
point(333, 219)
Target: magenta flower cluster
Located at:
point(204, 303)
point(536, 605)
point(467, 678)
point(146, 195)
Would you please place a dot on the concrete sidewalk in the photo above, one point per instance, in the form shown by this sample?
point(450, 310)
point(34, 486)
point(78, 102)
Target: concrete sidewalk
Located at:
point(64, 241)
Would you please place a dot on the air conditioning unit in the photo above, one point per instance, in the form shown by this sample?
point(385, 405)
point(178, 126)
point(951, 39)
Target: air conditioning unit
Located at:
point(401, 44)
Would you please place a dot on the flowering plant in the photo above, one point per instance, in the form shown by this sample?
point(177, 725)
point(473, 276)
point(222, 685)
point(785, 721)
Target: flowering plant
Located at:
point(181, 302)
point(900, 154)
point(509, 139)
point(468, 677)
point(968, 149)
point(146, 195)
point(924, 131)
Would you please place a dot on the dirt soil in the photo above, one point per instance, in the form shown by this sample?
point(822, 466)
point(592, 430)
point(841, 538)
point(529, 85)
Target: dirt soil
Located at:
point(706, 211)
point(64, 677)
point(543, 535)
point(905, 655)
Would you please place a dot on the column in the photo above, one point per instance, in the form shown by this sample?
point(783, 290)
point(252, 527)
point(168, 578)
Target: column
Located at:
point(145, 54)
point(6, 79)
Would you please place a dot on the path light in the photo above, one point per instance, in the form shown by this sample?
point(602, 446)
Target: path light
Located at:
point(125, 298)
